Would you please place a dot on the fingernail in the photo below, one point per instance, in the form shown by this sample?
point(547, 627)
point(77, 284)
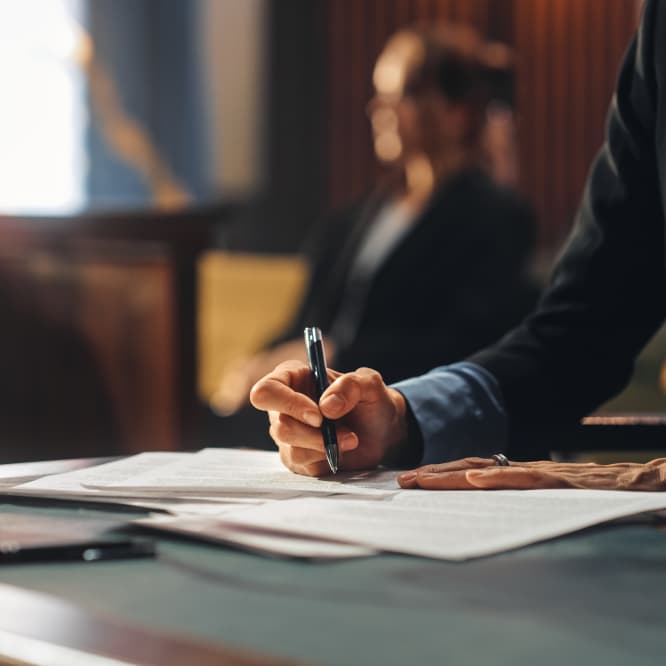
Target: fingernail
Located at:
point(332, 403)
point(407, 476)
point(312, 418)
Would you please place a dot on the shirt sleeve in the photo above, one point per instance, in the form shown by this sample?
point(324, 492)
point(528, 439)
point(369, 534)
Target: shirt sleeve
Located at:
point(458, 411)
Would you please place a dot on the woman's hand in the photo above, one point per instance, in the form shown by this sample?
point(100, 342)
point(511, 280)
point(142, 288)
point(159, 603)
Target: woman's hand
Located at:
point(484, 474)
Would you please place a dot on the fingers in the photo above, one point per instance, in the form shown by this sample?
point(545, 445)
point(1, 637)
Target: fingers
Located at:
point(315, 466)
point(296, 418)
point(455, 480)
point(278, 392)
point(348, 390)
point(426, 474)
point(483, 474)
point(302, 447)
point(286, 430)
point(513, 478)
point(455, 465)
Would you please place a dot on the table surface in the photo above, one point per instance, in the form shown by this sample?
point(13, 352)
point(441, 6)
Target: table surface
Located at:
point(595, 597)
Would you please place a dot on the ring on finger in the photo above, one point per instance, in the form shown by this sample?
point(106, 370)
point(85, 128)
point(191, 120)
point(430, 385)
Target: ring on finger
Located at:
point(500, 460)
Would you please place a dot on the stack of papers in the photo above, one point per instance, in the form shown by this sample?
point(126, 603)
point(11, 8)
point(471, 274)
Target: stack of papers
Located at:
point(247, 499)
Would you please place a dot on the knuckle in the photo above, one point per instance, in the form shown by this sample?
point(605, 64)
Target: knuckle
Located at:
point(370, 375)
point(280, 430)
point(272, 431)
point(285, 456)
point(474, 461)
point(291, 405)
point(290, 364)
point(373, 382)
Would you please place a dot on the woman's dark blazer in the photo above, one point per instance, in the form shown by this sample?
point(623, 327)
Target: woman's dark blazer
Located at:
point(608, 292)
point(456, 282)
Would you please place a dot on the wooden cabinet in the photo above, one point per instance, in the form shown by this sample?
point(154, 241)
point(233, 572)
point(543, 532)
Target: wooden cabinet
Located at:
point(118, 293)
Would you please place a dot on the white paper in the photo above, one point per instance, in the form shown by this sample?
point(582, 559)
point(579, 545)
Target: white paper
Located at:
point(228, 471)
point(453, 525)
point(200, 506)
point(71, 484)
point(266, 542)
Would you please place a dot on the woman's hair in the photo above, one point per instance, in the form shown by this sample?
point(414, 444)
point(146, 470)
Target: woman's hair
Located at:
point(454, 60)
point(460, 65)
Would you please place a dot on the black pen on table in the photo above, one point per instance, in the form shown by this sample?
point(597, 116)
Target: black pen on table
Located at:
point(315, 349)
point(92, 551)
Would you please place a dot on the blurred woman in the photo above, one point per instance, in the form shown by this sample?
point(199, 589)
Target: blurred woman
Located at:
point(431, 265)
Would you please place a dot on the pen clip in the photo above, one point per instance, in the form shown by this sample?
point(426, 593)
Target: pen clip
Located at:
point(315, 352)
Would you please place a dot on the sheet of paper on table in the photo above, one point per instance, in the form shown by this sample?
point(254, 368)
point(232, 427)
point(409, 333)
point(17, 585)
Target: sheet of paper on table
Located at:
point(246, 497)
point(228, 472)
point(70, 485)
point(261, 541)
point(455, 525)
point(121, 482)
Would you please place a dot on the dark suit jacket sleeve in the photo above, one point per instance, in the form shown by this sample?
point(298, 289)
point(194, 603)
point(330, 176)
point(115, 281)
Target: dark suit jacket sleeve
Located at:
point(607, 294)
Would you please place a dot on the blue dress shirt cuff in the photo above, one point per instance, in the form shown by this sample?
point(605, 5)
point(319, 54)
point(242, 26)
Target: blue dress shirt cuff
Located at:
point(458, 410)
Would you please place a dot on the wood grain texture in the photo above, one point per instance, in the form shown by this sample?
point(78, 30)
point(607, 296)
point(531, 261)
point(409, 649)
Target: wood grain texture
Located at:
point(567, 51)
point(568, 56)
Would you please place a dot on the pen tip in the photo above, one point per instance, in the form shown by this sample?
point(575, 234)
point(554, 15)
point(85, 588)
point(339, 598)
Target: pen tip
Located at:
point(332, 457)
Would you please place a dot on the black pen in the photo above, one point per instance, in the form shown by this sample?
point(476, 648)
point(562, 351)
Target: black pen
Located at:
point(91, 551)
point(315, 350)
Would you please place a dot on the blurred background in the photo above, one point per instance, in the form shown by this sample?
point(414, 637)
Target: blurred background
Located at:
point(163, 161)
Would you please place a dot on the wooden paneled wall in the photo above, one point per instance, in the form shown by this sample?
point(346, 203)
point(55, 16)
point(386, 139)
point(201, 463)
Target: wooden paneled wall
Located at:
point(567, 57)
point(569, 52)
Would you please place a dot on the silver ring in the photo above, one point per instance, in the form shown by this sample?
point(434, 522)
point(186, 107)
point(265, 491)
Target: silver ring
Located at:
point(500, 460)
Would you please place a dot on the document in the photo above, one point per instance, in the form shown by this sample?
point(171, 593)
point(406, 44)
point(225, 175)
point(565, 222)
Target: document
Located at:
point(73, 484)
point(225, 472)
point(247, 498)
point(14, 473)
point(261, 541)
point(452, 525)
point(70, 485)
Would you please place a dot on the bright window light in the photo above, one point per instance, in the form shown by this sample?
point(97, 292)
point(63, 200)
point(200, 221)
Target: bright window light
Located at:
point(42, 106)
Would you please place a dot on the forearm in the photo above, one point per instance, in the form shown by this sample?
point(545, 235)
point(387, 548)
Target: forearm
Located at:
point(457, 412)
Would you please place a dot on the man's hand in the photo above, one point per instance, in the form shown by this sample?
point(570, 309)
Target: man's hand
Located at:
point(233, 390)
point(369, 417)
point(483, 474)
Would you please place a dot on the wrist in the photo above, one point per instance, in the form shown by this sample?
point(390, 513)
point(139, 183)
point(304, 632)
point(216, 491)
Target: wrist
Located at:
point(405, 446)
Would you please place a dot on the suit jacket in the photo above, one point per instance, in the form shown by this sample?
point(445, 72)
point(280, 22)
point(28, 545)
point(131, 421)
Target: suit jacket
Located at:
point(455, 282)
point(608, 293)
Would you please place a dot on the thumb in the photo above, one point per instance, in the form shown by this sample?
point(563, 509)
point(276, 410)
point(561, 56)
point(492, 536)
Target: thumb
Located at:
point(341, 396)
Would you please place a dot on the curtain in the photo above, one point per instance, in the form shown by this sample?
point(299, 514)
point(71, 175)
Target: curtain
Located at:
point(149, 133)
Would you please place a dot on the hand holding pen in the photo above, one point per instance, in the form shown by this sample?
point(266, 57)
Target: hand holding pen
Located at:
point(369, 417)
point(314, 346)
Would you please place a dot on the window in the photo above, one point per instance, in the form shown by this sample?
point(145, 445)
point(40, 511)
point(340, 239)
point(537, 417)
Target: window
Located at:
point(42, 106)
